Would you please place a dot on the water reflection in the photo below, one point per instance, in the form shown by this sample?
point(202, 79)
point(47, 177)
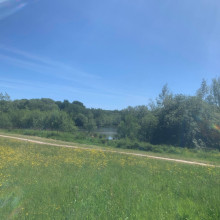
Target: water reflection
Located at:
point(109, 132)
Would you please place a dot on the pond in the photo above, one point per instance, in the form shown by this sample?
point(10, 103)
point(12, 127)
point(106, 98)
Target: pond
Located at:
point(109, 132)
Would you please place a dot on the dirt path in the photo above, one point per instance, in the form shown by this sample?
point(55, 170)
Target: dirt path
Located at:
point(111, 151)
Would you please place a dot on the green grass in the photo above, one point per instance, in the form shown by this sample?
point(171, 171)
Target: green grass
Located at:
point(82, 138)
point(45, 182)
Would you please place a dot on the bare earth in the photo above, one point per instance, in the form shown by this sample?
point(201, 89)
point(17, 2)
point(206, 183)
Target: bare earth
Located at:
point(111, 151)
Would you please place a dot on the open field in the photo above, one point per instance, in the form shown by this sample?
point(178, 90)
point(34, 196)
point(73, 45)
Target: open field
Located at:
point(48, 143)
point(66, 138)
point(45, 182)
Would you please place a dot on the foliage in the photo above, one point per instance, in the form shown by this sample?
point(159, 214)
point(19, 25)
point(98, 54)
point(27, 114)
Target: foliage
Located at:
point(94, 139)
point(180, 120)
point(173, 119)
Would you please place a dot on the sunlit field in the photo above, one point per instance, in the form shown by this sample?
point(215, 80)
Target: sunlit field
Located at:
point(45, 182)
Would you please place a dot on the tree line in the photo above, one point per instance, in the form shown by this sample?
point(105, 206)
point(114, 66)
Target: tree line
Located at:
point(53, 115)
point(171, 119)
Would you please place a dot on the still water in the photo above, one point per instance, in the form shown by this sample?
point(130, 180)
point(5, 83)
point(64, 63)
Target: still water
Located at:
point(110, 133)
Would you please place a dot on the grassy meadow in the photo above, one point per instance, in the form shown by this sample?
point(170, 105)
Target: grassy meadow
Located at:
point(84, 139)
point(46, 182)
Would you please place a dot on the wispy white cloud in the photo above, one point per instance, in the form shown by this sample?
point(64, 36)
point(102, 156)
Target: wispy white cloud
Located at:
point(2, 1)
point(45, 64)
point(26, 85)
point(49, 67)
point(9, 7)
point(24, 64)
point(75, 81)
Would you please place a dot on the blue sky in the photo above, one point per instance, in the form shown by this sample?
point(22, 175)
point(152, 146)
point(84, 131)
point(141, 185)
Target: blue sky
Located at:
point(107, 54)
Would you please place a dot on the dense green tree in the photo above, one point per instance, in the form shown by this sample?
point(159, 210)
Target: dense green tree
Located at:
point(5, 103)
point(129, 127)
point(203, 91)
point(187, 121)
point(39, 119)
point(91, 125)
point(5, 121)
point(215, 91)
point(164, 97)
point(59, 121)
point(81, 120)
point(148, 127)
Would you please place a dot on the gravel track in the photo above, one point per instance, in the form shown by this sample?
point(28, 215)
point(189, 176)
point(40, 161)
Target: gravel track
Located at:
point(110, 151)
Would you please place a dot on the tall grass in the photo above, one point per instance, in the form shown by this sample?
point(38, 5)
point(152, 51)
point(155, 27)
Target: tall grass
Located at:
point(209, 155)
point(41, 182)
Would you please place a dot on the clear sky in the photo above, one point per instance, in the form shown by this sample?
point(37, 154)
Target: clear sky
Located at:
point(107, 54)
